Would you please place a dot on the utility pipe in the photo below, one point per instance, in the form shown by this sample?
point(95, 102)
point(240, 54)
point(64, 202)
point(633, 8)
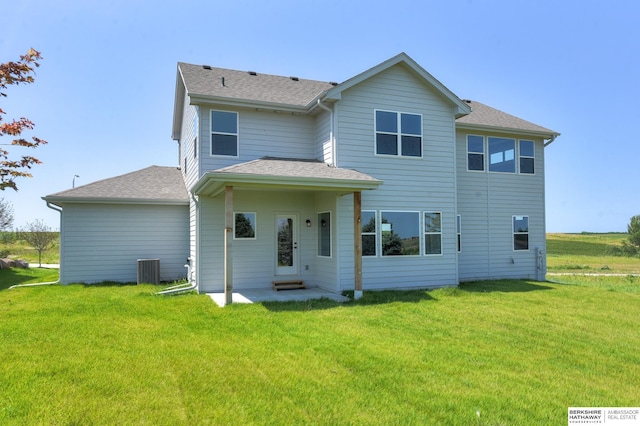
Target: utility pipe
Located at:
point(191, 284)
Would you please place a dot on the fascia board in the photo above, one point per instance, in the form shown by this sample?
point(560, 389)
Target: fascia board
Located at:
point(506, 130)
point(60, 201)
point(245, 103)
point(178, 106)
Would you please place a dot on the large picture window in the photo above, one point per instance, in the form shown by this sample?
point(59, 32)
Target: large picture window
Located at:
point(521, 232)
point(224, 133)
point(502, 155)
point(398, 133)
point(475, 153)
point(244, 226)
point(368, 220)
point(432, 233)
point(400, 232)
point(324, 234)
point(527, 157)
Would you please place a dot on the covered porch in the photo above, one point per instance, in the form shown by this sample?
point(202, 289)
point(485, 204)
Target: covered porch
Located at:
point(264, 183)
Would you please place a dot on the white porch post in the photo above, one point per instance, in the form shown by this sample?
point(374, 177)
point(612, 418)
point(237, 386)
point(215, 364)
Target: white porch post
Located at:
point(228, 239)
point(357, 244)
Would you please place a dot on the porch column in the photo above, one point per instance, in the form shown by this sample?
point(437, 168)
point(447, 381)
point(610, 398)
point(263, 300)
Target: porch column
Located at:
point(357, 244)
point(228, 239)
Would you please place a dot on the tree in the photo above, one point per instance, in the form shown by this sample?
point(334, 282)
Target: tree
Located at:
point(17, 73)
point(6, 215)
point(634, 231)
point(39, 236)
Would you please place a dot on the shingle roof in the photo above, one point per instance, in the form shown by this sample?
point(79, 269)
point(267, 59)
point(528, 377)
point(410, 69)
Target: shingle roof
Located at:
point(253, 87)
point(153, 184)
point(291, 167)
point(485, 116)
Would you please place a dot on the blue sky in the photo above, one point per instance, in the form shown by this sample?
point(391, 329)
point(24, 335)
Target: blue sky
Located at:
point(103, 97)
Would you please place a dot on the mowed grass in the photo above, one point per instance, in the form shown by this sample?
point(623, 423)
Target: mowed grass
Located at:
point(505, 352)
point(587, 253)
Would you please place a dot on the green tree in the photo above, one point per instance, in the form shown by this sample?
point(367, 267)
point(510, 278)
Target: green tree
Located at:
point(39, 236)
point(11, 73)
point(6, 215)
point(634, 231)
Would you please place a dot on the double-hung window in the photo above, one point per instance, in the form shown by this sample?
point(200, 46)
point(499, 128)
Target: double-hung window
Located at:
point(527, 157)
point(521, 232)
point(432, 233)
point(475, 152)
point(398, 133)
point(368, 220)
point(224, 133)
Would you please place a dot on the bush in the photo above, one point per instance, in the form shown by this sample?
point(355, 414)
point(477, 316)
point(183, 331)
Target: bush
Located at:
point(625, 249)
point(634, 231)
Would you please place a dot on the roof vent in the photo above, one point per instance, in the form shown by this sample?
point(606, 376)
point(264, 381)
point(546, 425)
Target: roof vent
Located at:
point(252, 73)
point(333, 83)
point(294, 78)
point(206, 67)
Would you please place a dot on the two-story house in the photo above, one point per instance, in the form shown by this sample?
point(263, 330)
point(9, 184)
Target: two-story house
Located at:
point(385, 181)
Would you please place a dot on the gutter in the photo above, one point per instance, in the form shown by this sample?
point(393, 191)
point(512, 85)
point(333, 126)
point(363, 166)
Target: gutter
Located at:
point(331, 135)
point(553, 138)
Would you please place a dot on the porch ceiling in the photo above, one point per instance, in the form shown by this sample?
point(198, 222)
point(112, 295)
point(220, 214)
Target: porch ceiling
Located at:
point(284, 174)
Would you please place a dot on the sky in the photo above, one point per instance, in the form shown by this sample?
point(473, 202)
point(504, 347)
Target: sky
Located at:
point(104, 93)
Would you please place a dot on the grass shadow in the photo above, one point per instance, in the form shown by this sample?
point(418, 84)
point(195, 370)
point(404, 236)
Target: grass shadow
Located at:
point(503, 286)
point(15, 276)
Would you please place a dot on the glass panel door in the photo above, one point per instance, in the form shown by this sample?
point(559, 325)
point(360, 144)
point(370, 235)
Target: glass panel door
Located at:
point(286, 245)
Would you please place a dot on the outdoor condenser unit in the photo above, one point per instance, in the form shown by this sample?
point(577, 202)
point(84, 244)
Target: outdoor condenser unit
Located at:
point(149, 271)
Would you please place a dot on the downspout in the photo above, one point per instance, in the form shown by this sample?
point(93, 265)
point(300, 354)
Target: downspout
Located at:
point(333, 140)
point(553, 138)
point(59, 210)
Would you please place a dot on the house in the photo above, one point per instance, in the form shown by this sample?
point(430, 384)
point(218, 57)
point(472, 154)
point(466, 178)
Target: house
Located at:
point(385, 181)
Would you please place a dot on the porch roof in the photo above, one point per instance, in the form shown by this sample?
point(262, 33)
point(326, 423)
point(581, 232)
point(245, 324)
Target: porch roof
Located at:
point(284, 173)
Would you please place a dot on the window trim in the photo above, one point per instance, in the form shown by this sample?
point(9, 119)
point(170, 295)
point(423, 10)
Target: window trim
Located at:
point(483, 153)
point(212, 132)
point(255, 226)
point(374, 233)
point(319, 225)
point(425, 233)
point(399, 134)
point(513, 229)
point(520, 156)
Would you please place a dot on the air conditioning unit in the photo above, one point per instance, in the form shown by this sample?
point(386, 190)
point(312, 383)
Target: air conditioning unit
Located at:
point(148, 271)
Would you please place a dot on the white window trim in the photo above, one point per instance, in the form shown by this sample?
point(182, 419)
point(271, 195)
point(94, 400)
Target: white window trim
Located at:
point(399, 134)
point(484, 154)
point(420, 233)
point(255, 226)
point(527, 156)
point(424, 234)
point(374, 233)
point(211, 132)
point(330, 234)
point(514, 233)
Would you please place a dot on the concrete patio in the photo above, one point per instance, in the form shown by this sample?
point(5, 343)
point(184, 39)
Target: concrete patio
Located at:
point(269, 295)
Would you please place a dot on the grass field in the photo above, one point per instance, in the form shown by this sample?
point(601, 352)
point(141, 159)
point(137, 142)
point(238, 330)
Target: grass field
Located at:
point(18, 249)
point(489, 353)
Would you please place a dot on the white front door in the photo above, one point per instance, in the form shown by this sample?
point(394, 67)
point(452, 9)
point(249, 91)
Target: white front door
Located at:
point(286, 244)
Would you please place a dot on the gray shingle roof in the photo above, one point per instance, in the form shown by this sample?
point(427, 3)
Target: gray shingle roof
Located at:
point(241, 85)
point(153, 184)
point(485, 116)
point(290, 167)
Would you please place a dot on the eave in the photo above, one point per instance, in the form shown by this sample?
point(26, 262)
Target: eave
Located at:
point(61, 201)
point(506, 130)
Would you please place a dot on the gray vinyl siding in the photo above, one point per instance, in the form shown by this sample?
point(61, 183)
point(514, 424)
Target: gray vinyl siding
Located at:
point(323, 148)
point(326, 268)
point(487, 203)
point(102, 242)
point(410, 184)
point(190, 167)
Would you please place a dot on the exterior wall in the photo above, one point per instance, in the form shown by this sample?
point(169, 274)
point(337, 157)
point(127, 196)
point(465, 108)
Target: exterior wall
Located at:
point(190, 143)
point(323, 148)
point(102, 242)
point(254, 259)
point(410, 184)
point(326, 268)
point(487, 202)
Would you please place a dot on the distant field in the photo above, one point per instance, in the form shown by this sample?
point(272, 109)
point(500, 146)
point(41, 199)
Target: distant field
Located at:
point(11, 243)
point(587, 253)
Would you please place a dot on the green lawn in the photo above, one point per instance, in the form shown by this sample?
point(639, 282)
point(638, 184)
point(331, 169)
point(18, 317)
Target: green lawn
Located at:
point(516, 352)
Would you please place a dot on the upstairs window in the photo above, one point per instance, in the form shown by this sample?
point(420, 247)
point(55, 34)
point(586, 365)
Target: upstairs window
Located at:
point(527, 157)
point(520, 233)
point(475, 153)
point(502, 155)
point(195, 132)
point(398, 133)
point(224, 133)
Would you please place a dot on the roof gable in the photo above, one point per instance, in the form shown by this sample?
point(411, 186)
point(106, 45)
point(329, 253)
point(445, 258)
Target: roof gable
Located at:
point(152, 185)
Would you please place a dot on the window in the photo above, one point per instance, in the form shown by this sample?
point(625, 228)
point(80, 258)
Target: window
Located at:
point(398, 134)
point(475, 152)
point(244, 226)
point(368, 220)
point(502, 155)
point(527, 157)
point(324, 234)
point(459, 232)
point(432, 233)
point(195, 132)
point(521, 232)
point(400, 233)
point(224, 133)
